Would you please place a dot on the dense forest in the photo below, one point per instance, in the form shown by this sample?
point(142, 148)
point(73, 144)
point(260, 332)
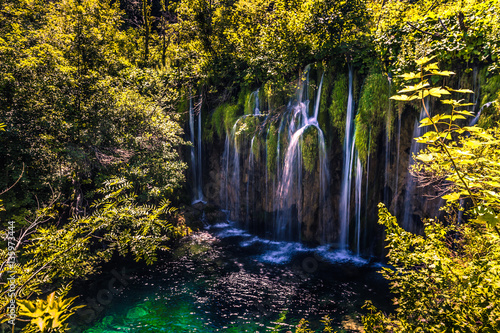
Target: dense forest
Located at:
point(96, 100)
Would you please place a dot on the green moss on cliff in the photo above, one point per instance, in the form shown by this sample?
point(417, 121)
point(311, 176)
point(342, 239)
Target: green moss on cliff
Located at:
point(309, 147)
point(373, 113)
point(338, 107)
point(272, 149)
point(256, 147)
point(490, 89)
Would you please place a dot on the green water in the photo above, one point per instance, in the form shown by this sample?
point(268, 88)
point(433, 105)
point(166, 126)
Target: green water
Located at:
point(234, 283)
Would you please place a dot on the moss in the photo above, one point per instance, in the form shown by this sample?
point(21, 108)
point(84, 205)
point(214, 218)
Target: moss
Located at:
point(373, 113)
point(272, 149)
point(338, 107)
point(326, 93)
point(221, 121)
point(247, 126)
point(256, 147)
point(490, 116)
point(243, 98)
point(309, 148)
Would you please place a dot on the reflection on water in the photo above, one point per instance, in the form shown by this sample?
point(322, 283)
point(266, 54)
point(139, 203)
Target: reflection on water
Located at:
point(226, 280)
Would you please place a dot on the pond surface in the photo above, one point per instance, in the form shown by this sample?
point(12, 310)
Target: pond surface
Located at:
point(226, 280)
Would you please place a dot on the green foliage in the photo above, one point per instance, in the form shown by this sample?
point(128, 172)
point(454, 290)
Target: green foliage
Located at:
point(271, 149)
point(490, 91)
point(78, 108)
point(337, 109)
point(445, 281)
point(455, 154)
point(247, 126)
point(223, 118)
point(48, 315)
point(457, 32)
point(51, 255)
point(372, 111)
point(310, 148)
point(448, 279)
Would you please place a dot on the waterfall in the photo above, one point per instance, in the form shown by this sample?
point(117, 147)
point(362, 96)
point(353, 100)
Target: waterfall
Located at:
point(357, 202)
point(193, 155)
point(476, 118)
point(249, 180)
point(286, 198)
point(199, 164)
point(408, 223)
point(367, 180)
point(290, 191)
point(345, 190)
point(196, 167)
point(256, 110)
point(397, 163)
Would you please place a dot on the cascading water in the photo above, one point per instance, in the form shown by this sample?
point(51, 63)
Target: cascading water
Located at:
point(357, 202)
point(196, 167)
point(345, 194)
point(408, 223)
point(397, 161)
point(290, 192)
point(284, 188)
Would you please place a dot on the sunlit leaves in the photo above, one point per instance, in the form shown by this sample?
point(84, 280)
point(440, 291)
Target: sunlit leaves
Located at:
point(437, 92)
point(411, 76)
point(441, 280)
point(424, 60)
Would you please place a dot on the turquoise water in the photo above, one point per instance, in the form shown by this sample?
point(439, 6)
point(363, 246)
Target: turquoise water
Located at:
point(225, 280)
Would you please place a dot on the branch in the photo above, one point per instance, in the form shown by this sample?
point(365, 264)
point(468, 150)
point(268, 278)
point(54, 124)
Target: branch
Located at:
point(18, 179)
point(424, 32)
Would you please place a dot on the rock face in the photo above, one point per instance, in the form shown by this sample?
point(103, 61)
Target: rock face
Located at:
point(245, 173)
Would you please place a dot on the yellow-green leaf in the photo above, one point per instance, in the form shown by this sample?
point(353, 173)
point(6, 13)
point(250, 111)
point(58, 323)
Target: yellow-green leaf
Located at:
point(431, 66)
point(437, 92)
point(410, 76)
point(425, 157)
point(452, 196)
point(424, 60)
point(463, 91)
point(442, 73)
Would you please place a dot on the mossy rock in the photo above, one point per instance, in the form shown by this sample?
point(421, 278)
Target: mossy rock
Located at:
point(490, 116)
point(222, 120)
point(374, 114)
point(137, 313)
point(272, 149)
point(310, 148)
point(338, 107)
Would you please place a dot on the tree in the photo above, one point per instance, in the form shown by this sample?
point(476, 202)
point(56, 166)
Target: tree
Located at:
point(447, 279)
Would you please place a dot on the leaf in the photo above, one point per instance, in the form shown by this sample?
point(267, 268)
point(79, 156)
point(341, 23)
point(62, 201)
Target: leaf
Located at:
point(424, 60)
point(442, 73)
point(452, 196)
point(432, 66)
point(414, 88)
point(410, 76)
point(425, 157)
point(462, 91)
point(404, 98)
point(437, 92)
